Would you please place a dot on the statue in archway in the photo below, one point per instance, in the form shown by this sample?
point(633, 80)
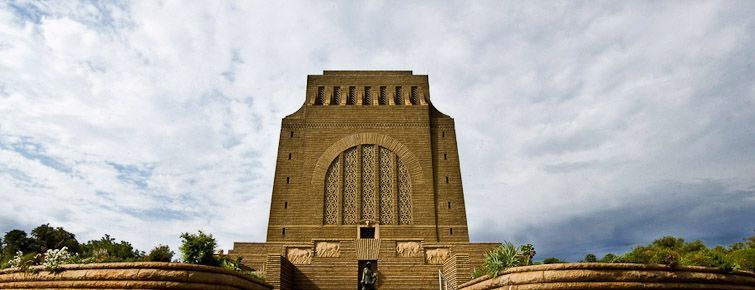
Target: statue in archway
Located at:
point(369, 277)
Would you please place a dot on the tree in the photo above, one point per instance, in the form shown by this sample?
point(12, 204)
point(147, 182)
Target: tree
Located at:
point(14, 241)
point(590, 258)
point(199, 249)
point(45, 237)
point(161, 253)
point(552, 260)
point(609, 258)
point(107, 250)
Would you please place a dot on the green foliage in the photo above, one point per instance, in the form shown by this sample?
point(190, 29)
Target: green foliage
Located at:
point(161, 253)
point(107, 250)
point(675, 251)
point(45, 237)
point(590, 258)
point(744, 259)
point(478, 272)
point(199, 249)
point(666, 256)
point(552, 260)
point(14, 241)
point(609, 258)
point(526, 253)
point(505, 256)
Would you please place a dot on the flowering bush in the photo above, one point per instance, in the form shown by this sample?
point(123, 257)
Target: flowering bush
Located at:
point(54, 258)
point(23, 261)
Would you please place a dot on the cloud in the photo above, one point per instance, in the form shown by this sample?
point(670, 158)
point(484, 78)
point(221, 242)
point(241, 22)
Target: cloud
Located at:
point(621, 121)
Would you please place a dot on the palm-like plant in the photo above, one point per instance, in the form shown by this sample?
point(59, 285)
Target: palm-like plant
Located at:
point(500, 258)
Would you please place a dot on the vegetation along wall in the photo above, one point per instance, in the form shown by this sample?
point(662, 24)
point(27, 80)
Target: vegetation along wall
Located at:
point(612, 276)
point(152, 275)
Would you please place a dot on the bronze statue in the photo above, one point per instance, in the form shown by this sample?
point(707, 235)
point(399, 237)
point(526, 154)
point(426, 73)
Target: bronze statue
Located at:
point(369, 277)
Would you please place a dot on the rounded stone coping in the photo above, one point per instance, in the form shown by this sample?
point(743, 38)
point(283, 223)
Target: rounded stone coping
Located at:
point(613, 275)
point(147, 272)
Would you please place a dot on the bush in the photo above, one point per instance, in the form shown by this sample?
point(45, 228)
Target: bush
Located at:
point(590, 258)
point(500, 258)
point(553, 260)
point(161, 253)
point(54, 258)
point(744, 259)
point(609, 258)
point(107, 250)
point(665, 256)
point(199, 249)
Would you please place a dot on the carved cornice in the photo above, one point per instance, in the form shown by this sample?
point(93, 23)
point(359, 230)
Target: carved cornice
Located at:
point(357, 125)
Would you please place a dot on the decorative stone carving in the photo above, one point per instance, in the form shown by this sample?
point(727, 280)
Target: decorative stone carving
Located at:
point(407, 249)
point(299, 256)
point(436, 256)
point(331, 192)
point(404, 195)
point(328, 249)
point(386, 186)
point(368, 181)
point(350, 187)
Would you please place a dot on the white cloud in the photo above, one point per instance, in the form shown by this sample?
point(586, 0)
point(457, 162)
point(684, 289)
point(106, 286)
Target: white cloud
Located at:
point(167, 113)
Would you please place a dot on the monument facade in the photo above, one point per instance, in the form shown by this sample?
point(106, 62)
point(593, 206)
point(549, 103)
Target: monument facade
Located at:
point(367, 172)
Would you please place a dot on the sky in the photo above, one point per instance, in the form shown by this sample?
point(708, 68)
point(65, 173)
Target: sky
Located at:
point(582, 127)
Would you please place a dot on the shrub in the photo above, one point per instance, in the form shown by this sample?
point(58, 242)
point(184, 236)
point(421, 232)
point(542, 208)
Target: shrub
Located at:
point(54, 258)
point(500, 258)
point(199, 249)
point(24, 261)
point(553, 260)
point(590, 258)
point(107, 250)
point(161, 253)
point(526, 253)
point(744, 259)
point(609, 258)
point(665, 256)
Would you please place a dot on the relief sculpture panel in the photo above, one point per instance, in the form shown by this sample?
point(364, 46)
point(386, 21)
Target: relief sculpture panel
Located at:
point(437, 256)
point(299, 256)
point(328, 249)
point(407, 249)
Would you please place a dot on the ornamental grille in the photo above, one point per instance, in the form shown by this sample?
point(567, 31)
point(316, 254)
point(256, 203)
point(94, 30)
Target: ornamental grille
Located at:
point(368, 182)
point(350, 186)
point(331, 192)
point(404, 195)
point(386, 186)
point(374, 180)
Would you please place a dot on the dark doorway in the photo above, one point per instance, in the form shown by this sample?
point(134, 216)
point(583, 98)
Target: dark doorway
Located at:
point(367, 233)
point(362, 264)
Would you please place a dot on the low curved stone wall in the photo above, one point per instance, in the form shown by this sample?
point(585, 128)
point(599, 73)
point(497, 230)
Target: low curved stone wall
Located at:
point(153, 275)
point(612, 276)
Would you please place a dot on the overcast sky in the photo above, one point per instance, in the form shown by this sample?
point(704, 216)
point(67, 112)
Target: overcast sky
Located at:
point(582, 126)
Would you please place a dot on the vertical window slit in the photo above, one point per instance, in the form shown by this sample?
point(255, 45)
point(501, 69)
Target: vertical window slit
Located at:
point(351, 99)
point(398, 100)
point(413, 96)
point(446, 179)
point(283, 232)
point(449, 205)
point(366, 99)
point(382, 98)
point(288, 180)
point(320, 98)
point(336, 98)
point(289, 156)
point(285, 204)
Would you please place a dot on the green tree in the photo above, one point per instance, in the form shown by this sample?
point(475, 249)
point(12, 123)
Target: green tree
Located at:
point(526, 253)
point(161, 253)
point(107, 250)
point(45, 237)
point(590, 258)
point(553, 260)
point(199, 249)
point(609, 258)
point(14, 241)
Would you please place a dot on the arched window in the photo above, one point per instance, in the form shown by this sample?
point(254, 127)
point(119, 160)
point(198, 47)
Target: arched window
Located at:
point(374, 184)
